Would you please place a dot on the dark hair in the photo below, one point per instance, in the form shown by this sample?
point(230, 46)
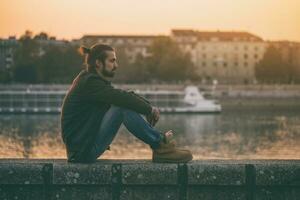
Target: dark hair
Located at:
point(97, 51)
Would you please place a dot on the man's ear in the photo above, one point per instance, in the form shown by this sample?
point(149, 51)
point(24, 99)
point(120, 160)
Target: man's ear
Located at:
point(98, 63)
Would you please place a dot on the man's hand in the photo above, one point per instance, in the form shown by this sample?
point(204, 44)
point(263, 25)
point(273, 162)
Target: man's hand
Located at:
point(153, 117)
point(156, 113)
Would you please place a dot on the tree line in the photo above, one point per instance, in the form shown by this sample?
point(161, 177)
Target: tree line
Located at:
point(274, 68)
point(39, 61)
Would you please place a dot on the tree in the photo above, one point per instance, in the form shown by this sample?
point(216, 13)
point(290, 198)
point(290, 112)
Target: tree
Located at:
point(123, 72)
point(272, 68)
point(168, 63)
point(59, 64)
point(5, 76)
point(45, 62)
point(25, 57)
point(128, 72)
point(41, 36)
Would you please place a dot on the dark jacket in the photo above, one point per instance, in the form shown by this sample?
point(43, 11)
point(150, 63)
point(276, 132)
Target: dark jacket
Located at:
point(84, 106)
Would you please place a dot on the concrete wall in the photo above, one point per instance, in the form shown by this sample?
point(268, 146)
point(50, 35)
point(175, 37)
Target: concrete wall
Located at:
point(142, 179)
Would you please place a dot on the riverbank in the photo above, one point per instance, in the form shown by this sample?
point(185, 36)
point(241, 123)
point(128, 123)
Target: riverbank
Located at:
point(213, 91)
point(260, 104)
point(232, 91)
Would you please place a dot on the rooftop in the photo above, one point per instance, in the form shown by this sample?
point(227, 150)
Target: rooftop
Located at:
point(221, 35)
point(123, 36)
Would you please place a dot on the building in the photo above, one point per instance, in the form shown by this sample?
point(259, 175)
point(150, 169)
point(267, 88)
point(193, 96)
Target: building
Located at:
point(227, 57)
point(7, 48)
point(132, 45)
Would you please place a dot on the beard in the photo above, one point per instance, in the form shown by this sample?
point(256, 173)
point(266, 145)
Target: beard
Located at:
point(108, 73)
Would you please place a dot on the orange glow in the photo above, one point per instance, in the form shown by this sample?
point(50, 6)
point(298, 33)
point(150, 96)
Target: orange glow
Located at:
point(270, 19)
point(45, 146)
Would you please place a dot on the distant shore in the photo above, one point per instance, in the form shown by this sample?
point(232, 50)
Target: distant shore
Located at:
point(221, 92)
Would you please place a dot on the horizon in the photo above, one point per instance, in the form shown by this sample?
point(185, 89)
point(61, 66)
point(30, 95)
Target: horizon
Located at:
point(168, 34)
point(66, 19)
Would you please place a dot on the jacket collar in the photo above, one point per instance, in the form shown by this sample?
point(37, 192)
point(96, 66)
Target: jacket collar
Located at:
point(94, 72)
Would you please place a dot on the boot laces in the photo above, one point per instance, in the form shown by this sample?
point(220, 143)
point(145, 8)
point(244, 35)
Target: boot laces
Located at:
point(168, 136)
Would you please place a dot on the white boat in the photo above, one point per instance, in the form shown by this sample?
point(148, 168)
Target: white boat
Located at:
point(49, 100)
point(188, 101)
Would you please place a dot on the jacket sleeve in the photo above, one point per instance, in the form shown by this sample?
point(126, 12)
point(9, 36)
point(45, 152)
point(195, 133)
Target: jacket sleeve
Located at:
point(97, 91)
point(142, 98)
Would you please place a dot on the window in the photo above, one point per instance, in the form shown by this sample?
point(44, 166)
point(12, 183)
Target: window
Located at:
point(203, 64)
point(245, 56)
point(246, 64)
point(255, 56)
point(225, 64)
point(246, 47)
point(204, 55)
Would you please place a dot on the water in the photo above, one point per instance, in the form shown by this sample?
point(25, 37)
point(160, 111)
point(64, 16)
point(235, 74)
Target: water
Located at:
point(245, 132)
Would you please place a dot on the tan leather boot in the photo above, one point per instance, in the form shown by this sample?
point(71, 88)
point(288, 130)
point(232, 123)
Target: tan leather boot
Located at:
point(167, 151)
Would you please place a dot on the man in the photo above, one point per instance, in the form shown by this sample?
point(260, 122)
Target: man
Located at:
point(93, 111)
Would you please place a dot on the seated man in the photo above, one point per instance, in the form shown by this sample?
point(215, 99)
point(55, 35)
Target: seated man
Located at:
point(93, 111)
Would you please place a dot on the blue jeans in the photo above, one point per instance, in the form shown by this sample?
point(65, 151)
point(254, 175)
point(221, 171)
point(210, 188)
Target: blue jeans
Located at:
point(111, 123)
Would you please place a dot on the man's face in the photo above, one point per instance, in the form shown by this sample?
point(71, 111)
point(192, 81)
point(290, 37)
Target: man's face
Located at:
point(110, 64)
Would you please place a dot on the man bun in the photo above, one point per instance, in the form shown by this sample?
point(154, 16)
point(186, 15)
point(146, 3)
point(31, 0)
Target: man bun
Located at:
point(84, 50)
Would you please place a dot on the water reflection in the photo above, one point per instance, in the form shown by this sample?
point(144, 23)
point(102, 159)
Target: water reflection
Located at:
point(234, 134)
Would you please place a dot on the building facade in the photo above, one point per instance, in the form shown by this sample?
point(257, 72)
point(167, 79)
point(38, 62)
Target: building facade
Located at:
point(7, 48)
point(226, 57)
point(132, 45)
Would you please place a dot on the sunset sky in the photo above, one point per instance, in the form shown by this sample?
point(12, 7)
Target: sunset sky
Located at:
point(70, 19)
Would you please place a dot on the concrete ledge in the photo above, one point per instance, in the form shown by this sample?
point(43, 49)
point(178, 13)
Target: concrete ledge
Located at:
point(142, 179)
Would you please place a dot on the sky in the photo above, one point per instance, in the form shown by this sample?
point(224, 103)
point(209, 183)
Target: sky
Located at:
point(71, 19)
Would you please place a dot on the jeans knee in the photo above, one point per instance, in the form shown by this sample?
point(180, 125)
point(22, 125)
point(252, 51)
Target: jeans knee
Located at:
point(118, 109)
point(114, 112)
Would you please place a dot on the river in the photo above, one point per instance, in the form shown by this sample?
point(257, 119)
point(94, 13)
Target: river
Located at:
point(253, 131)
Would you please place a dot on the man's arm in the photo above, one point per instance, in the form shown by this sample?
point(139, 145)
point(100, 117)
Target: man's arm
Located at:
point(98, 91)
point(132, 92)
point(153, 117)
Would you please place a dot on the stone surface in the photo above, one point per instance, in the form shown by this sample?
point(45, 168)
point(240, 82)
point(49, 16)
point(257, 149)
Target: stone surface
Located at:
point(279, 174)
point(83, 174)
point(149, 192)
point(208, 193)
point(206, 179)
point(148, 174)
point(19, 173)
point(75, 192)
point(216, 174)
point(277, 193)
point(26, 192)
